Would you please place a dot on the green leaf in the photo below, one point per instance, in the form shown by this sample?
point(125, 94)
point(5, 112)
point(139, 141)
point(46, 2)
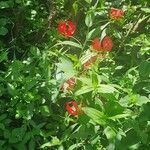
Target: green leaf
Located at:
point(74, 44)
point(93, 33)
point(45, 110)
point(3, 21)
point(17, 134)
point(75, 146)
point(86, 81)
point(83, 90)
point(146, 10)
point(96, 115)
point(2, 142)
point(95, 81)
point(11, 89)
point(3, 31)
point(65, 66)
point(4, 4)
point(113, 108)
point(86, 56)
point(55, 141)
point(88, 1)
point(2, 117)
point(124, 101)
point(144, 69)
point(89, 19)
point(32, 145)
point(7, 134)
point(75, 7)
point(3, 56)
point(142, 100)
point(2, 127)
point(110, 133)
point(103, 34)
point(119, 116)
point(106, 88)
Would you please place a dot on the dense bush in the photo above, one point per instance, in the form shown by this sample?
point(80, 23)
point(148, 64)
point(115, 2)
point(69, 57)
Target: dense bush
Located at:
point(74, 74)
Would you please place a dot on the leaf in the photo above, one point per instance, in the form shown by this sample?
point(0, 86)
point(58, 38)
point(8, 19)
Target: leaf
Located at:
point(145, 115)
point(75, 146)
point(142, 100)
point(7, 134)
point(103, 34)
point(93, 33)
point(3, 56)
point(144, 69)
point(110, 133)
point(106, 89)
point(55, 141)
point(86, 81)
point(45, 110)
point(119, 116)
point(83, 90)
point(96, 115)
point(88, 1)
point(3, 21)
point(2, 117)
point(113, 108)
point(27, 137)
point(2, 127)
point(95, 81)
point(124, 101)
point(11, 89)
point(89, 19)
point(146, 10)
point(75, 7)
point(4, 4)
point(74, 44)
point(86, 56)
point(3, 31)
point(32, 145)
point(2, 142)
point(65, 66)
point(17, 134)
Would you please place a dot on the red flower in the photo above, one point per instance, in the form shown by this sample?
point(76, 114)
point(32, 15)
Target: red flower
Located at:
point(88, 63)
point(96, 44)
point(72, 107)
point(66, 28)
point(69, 84)
point(107, 43)
point(116, 13)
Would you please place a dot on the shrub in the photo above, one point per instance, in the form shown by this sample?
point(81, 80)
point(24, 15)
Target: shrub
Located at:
point(74, 75)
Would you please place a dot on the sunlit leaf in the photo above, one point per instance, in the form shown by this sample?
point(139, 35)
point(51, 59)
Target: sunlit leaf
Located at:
point(95, 115)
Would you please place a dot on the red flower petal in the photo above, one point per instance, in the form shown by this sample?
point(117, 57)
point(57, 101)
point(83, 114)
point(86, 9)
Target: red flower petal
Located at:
point(69, 84)
point(107, 43)
point(71, 28)
point(116, 13)
point(72, 107)
point(66, 28)
point(96, 44)
point(86, 65)
point(62, 28)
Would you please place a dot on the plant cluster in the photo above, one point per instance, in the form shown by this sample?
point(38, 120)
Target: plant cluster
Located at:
point(74, 75)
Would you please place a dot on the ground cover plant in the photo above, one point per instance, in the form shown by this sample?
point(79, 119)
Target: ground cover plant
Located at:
point(74, 75)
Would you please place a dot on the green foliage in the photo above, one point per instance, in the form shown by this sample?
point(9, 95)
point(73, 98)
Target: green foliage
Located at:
point(35, 60)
